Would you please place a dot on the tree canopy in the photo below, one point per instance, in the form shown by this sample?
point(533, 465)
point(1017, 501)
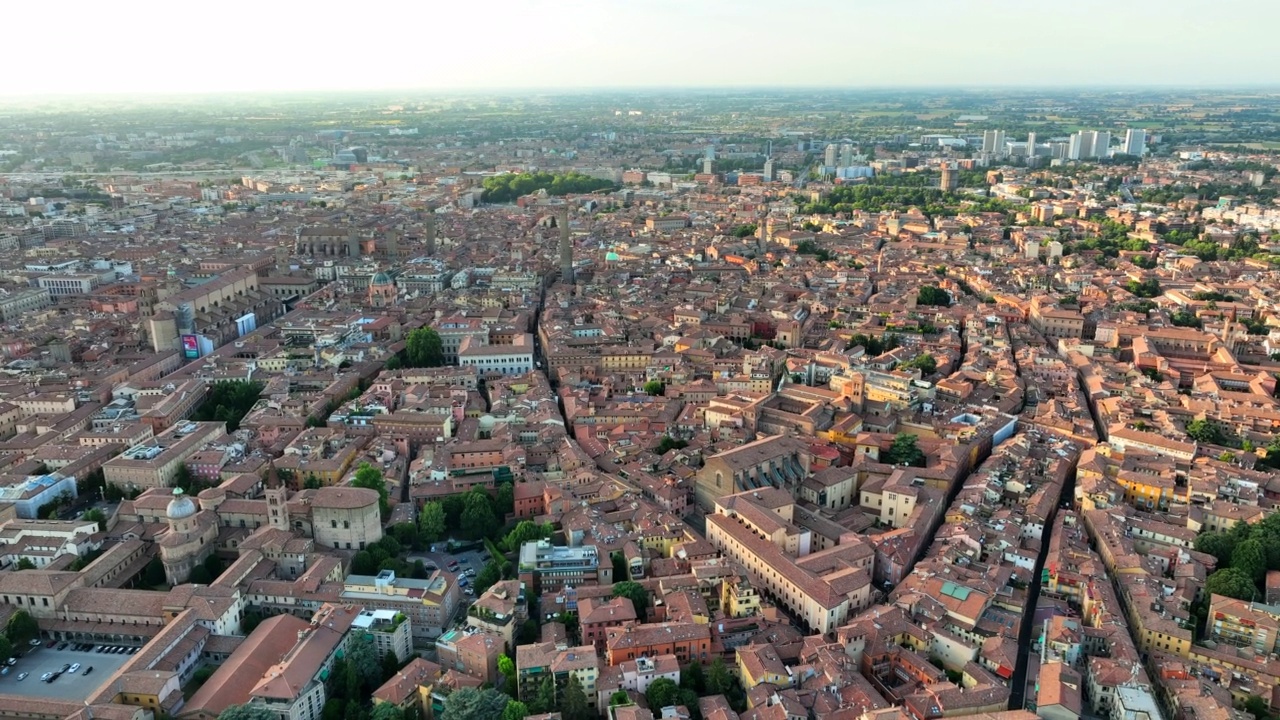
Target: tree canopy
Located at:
point(246, 712)
point(634, 592)
point(933, 296)
point(474, 704)
point(424, 348)
point(506, 188)
point(904, 451)
point(924, 362)
point(229, 401)
point(368, 476)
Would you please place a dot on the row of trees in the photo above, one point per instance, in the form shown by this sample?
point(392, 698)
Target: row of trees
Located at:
point(506, 188)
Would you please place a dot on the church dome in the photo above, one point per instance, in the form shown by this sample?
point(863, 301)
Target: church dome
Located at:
point(181, 506)
point(380, 278)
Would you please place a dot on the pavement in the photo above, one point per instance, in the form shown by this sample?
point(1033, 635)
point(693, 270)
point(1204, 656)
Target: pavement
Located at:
point(67, 687)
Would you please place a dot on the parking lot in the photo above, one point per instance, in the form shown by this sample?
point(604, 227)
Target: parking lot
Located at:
point(67, 687)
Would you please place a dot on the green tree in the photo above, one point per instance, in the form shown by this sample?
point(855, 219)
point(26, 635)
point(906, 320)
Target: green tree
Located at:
point(574, 704)
point(904, 451)
point(312, 482)
point(424, 348)
point(1250, 559)
point(1204, 431)
point(719, 681)
point(475, 704)
point(1231, 582)
point(21, 628)
point(743, 231)
point(431, 522)
point(515, 710)
point(925, 362)
point(368, 476)
point(229, 401)
point(662, 692)
point(694, 678)
point(25, 563)
point(546, 700)
point(1148, 288)
point(153, 573)
point(96, 515)
point(634, 592)
point(504, 500)
point(655, 387)
point(669, 443)
point(525, 531)
point(619, 697)
point(1257, 707)
point(490, 574)
point(6, 647)
point(362, 659)
point(246, 712)
point(478, 519)
point(507, 667)
point(386, 711)
point(933, 296)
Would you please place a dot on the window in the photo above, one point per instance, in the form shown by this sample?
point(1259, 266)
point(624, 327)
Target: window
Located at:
point(333, 523)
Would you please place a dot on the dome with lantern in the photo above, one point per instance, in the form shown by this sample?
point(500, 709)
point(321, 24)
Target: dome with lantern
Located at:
point(181, 506)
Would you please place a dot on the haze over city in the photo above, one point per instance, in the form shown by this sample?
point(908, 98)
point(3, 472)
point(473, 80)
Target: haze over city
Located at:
point(152, 47)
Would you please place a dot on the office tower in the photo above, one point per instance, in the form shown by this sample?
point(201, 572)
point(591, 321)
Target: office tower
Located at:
point(707, 165)
point(829, 156)
point(1031, 145)
point(1135, 142)
point(1102, 144)
point(768, 170)
point(993, 143)
point(566, 248)
point(950, 178)
point(846, 155)
point(431, 233)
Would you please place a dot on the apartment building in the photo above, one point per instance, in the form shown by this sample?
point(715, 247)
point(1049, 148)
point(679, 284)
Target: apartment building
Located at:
point(282, 667)
point(547, 568)
point(13, 305)
point(513, 359)
point(389, 630)
point(429, 604)
point(687, 641)
point(156, 462)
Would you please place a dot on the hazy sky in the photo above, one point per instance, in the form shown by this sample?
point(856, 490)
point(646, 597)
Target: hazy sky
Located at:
point(148, 46)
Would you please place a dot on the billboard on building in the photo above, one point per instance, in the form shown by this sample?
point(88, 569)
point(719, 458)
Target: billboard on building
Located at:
point(246, 324)
point(190, 347)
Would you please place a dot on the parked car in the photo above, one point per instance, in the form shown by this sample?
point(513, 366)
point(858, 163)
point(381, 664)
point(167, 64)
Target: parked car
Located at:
point(34, 642)
point(74, 668)
point(51, 643)
point(22, 676)
point(11, 661)
point(87, 670)
point(4, 671)
point(45, 677)
point(133, 650)
point(62, 646)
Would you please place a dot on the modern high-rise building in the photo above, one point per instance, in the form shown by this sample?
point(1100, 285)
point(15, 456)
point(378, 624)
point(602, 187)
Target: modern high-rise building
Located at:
point(993, 143)
point(1031, 145)
point(1101, 144)
point(950, 178)
point(846, 155)
point(1075, 149)
point(829, 155)
point(1135, 141)
point(768, 170)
